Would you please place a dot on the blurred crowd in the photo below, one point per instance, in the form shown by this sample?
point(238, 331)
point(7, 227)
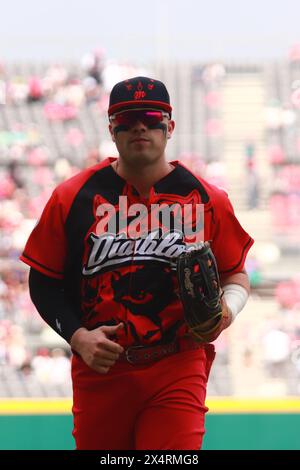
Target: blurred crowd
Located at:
point(49, 130)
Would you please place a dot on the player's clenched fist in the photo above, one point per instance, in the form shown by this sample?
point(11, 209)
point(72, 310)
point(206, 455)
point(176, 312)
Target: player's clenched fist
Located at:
point(96, 349)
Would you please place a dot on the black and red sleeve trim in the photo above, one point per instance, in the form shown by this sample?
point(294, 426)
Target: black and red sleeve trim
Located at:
point(241, 261)
point(40, 267)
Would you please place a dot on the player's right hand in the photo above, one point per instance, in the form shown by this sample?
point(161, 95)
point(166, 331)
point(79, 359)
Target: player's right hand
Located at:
point(96, 349)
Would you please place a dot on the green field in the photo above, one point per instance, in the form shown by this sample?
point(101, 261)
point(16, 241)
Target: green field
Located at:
point(230, 425)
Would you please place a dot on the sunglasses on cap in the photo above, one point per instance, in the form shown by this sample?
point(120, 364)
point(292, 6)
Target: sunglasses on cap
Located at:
point(148, 117)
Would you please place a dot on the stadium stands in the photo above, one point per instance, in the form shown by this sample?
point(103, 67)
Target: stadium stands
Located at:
point(231, 119)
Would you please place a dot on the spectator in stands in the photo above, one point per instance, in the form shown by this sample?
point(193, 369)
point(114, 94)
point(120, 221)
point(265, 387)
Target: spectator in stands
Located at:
point(35, 91)
point(252, 183)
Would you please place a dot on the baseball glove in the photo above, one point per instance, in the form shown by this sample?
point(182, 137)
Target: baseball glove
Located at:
point(200, 292)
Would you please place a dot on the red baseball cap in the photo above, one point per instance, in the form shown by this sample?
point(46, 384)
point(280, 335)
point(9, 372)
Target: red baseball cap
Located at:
point(139, 93)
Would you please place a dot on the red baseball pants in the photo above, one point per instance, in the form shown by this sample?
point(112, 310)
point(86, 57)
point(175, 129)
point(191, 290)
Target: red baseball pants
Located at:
point(153, 407)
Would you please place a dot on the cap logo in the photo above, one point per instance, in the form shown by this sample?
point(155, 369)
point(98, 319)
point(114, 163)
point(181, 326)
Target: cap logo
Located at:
point(138, 95)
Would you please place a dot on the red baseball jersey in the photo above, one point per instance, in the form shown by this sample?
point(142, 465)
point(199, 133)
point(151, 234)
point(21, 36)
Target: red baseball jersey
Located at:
point(115, 276)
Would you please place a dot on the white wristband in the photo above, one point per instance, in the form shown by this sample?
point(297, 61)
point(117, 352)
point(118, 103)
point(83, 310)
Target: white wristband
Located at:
point(236, 298)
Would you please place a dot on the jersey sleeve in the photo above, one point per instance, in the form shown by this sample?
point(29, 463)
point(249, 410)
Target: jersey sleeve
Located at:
point(46, 247)
point(230, 242)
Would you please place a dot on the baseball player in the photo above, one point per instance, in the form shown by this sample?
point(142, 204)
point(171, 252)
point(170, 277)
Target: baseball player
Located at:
point(102, 276)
